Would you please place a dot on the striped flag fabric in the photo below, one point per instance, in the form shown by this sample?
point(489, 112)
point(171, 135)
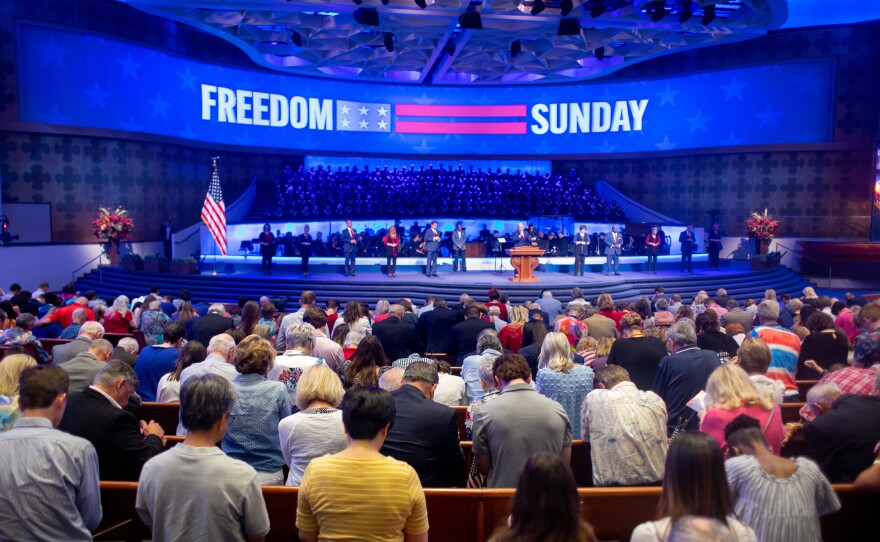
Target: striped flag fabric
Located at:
point(460, 119)
point(214, 210)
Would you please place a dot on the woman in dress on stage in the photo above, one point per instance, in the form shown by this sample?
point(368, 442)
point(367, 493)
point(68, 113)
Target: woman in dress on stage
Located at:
point(267, 248)
point(392, 245)
point(305, 249)
point(653, 242)
point(714, 247)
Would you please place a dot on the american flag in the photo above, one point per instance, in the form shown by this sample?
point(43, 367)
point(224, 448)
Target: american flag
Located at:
point(214, 210)
point(460, 119)
point(362, 116)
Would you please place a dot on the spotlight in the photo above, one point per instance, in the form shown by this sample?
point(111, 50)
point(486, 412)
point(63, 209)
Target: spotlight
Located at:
point(296, 38)
point(686, 12)
point(389, 42)
point(470, 20)
point(708, 15)
point(658, 11)
point(366, 16)
point(568, 27)
point(421, 3)
point(598, 9)
point(538, 7)
point(565, 7)
point(515, 48)
point(600, 53)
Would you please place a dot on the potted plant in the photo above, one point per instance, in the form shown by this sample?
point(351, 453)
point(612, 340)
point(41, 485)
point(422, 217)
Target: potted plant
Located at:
point(184, 266)
point(112, 227)
point(762, 227)
point(767, 261)
point(132, 262)
point(155, 264)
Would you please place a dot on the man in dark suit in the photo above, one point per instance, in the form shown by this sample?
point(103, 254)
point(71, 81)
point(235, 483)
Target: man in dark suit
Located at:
point(348, 237)
point(97, 415)
point(435, 326)
point(581, 240)
point(83, 368)
point(686, 238)
point(459, 240)
point(213, 323)
point(521, 237)
point(613, 243)
point(126, 350)
point(424, 433)
point(682, 375)
point(432, 246)
point(463, 338)
point(399, 339)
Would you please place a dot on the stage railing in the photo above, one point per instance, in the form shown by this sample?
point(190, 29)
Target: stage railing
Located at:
point(801, 256)
point(88, 263)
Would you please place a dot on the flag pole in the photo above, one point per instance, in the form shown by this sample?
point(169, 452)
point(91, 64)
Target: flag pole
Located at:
point(214, 159)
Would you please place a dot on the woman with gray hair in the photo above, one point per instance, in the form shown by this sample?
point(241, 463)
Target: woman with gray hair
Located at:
point(560, 379)
point(194, 490)
point(487, 382)
point(117, 318)
point(289, 366)
point(488, 345)
point(153, 322)
point(381, 313)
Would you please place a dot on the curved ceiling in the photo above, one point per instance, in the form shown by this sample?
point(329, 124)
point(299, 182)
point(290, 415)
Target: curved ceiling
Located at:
point(397, 40)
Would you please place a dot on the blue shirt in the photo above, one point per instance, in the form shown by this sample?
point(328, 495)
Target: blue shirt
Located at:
point(253, 432)
point(152, 364)
point(470, 372)
point(568, 389)
point(71, 331)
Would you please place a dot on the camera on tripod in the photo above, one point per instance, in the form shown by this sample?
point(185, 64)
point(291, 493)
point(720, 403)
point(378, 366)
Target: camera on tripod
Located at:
point(6, 238)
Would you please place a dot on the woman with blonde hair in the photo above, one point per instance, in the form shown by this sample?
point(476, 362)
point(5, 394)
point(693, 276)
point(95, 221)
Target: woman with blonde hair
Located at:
point(560, 379)
point(117, 318)
point(587, 348)
point(730, 393)
point(317, 428)
point(602, 352)
point(10, 371)
point(810, 293)
point(382, 308)
point(511, 335)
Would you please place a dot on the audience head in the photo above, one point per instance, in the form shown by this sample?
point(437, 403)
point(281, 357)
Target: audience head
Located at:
point(352, 312)
point(869, 317)
point(382, 306)
point(684, 313)
point(319, 383)
point(391, 379)
point(662, 304)
point(267, 310)
point(396, 311)
point(340, 332)
point(129, 344)
point(587, 344)
point(577, 293)
point(821, 396)
point(509, 368)
point(353, 339)
point(222, 345)
point(768, 311)
point(422, 375)
point(744, 436)
point(441, 304)
point(307, 299)
point(118, 380)
point(25, 321)
point(102, 349)
point(681, 334)
point(630, 323)
point(576, 311)
point(364, 363)
point(11, 368)
point(556, 353)
point(205, 404)
point(695, 482)
point(254, 355)
point(729, 387)
point(866, 351)
point(192, 352)
point(734, 328)
point(367, 413)
point(318, 318)
point(78, 316)
point(609, 376)
point(604, 347)
point(707, 322)
point(92, 330)
point(818, 322)
point(250, 316)
point(300, 336)
point(488, 340)
point(605, 302)
point(754, 356)
point(487, 376)
point(174, 333)
point(42, 391)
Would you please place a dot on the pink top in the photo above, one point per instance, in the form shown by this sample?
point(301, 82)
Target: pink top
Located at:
point(717, 418)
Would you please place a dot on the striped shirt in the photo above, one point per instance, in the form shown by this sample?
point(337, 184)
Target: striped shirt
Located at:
point(785, 347)
point(854, 380)
point(780, 509)
point(359, 499)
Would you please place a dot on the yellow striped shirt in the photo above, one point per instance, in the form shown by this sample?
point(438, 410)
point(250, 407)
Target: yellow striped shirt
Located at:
point(361, 499)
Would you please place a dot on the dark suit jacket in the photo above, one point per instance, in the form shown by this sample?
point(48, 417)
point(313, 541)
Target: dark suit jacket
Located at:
point(842, 440)
point(679, 378)
point(463, 338)
point(122, 355)
point(609, 242)
point(435, 328)
point(206, 327)
point(425, 435)
point(581, 249)
point(345, 238)
point(399, 339)
point(430, 244)
point(114, 432)
point(687, 247)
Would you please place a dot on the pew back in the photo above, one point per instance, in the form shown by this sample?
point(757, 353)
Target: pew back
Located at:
point(165, 414)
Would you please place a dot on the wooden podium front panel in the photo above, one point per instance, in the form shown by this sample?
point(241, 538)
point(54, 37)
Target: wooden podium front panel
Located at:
point(477, 249)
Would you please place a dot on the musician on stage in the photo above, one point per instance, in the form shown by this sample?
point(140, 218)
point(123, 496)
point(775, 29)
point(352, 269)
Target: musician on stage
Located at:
point(392, 247)
point(459, 239)
point(714, 247)
point(348, 236)
point(653, 242)
point(432, 246)
point(532, 235)
point(305, 249)
point(267, 248)
point(686, 238)
point(581, 240)
point(521, 237)
point(613, 244)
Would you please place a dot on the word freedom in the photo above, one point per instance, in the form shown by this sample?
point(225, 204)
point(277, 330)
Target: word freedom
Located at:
point(276, 110)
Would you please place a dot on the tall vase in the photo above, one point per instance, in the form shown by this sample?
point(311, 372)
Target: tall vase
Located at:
point(761, 245)
point(112, 250)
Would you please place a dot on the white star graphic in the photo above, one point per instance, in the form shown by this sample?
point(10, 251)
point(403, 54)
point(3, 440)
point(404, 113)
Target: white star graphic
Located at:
point(345, 109)
point(383, 112)
point(363, 124)
point(363, 110)
point(383, 125)
point(344, 123)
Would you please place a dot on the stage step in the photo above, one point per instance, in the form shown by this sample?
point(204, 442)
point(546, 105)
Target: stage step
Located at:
point(740, 283)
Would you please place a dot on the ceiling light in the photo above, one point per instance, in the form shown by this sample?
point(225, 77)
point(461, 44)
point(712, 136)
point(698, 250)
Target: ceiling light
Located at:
point(389, 42)
point(538, 7)
point(598, 9)
point(366, 16)
point(515, 48)
point(565, 7)
point(600, 53)
point(708, 15)
point(470, 20)
point(568, 27)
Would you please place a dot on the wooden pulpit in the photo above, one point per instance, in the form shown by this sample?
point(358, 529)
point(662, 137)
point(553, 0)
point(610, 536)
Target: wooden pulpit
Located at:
point(524, 260)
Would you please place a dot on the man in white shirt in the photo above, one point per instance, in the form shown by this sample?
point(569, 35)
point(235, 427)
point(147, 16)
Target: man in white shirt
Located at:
point(626, 428)
point(306, 301)
point(221, 350)
point(451, 389)
point(300, 339)
point(495, 318)
point(324, 348)
point(63, 501)
point(429, 305)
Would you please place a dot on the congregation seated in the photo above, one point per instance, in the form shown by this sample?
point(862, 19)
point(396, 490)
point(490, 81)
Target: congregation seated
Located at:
point(435, 326)
point(126, 350)
point(153, 321)
point(325, 348)
point(215, 322)
point(289, 366)
point(22, 333)
point(78, 318)
point(639, 354)
point(89, 332)
point(366, 365)
point(826, 345)
point(563, 380)
point(487, 383)
point(118, 318)
point(754, 358)
point(10, 371)
point(784, 345)
point(451, 389)
point(159, 359)
point(463, 335)
point(488, 347)
point(168, 389)
point(83, 368)
point(399, 338)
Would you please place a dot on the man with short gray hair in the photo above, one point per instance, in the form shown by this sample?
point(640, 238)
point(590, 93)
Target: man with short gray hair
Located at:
point(399, 339)
point(425, 433)
point(194, 490)
point(785, 348)
point(682, 375)
point(212, 324)
point(89, 332)
point(85, 366)
point(97, 415)
point(79, 317)
point(221, 349)
point(488, 346)
point(126, 350)
point(391, 379)
point(495, 318)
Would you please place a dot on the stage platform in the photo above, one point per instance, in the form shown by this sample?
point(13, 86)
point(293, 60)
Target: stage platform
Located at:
point(740, 281)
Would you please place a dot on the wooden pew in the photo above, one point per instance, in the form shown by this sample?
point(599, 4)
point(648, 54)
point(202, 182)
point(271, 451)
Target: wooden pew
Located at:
point(165, 414)
point(29, 349)
point(49, 344)
point(471, 515)
point(461, 412)
point(804, 386)
point(791, 412)
point(581, 461)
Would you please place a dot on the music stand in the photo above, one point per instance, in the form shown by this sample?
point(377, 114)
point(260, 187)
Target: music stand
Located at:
point(496, 251)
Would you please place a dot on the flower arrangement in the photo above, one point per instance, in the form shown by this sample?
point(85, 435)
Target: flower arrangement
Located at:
point(113, 226)
point(762, 226)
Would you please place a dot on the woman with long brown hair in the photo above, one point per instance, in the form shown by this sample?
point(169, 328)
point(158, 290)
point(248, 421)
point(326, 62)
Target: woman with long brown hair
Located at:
point(695, 484)
point(363, 369)
point(250, 317)
point(392, 246)
point(356, 319)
